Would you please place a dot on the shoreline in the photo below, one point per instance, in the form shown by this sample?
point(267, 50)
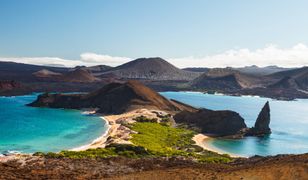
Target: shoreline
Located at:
point(98, 142)
point(113, 131)
point(200, 140)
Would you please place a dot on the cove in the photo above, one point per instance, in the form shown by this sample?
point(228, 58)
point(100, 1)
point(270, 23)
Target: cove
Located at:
point(29, 129)
point(289, 122)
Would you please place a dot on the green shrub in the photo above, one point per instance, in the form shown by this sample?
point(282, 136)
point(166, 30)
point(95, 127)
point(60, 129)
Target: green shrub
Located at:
point(145, 119)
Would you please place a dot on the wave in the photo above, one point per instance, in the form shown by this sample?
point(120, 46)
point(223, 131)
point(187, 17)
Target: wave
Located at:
point(10, 152)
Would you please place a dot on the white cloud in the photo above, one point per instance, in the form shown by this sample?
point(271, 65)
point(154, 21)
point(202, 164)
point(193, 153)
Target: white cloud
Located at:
point(295, 56)
point(86, 59)
point(103, 59)
point(43, 61)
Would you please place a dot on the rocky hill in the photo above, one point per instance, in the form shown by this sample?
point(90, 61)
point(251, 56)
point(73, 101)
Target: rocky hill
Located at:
point(152, 69)
point(225, 123)
point(261, 71)
point(79, 75)
point(225, 79)
point(298, 77)
point(251, 70)
point(96, 70)
point(45, 73)
point(114, 98)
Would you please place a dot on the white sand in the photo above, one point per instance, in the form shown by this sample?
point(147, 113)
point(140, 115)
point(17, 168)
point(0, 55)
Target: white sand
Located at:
point(200, 140)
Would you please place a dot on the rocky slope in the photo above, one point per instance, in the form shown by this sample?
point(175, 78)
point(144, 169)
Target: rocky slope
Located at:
point(114, 98)
point(225, 79)
point(261, 71)
point(9, 85)
point(12, 88)
point(45, 73)
point(258, 168)
point(251, 70)
point(78, 75)
point(297, 78)
point(96, 70)
point(152, 69)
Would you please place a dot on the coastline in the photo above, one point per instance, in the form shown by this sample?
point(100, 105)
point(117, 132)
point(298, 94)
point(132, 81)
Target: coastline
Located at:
point(200, 140)
point(115, 130)
point(118, 132)
point(98, 142)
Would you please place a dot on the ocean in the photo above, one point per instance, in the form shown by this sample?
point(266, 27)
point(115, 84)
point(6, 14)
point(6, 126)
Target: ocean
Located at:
point(30, 129)
point(289, 123)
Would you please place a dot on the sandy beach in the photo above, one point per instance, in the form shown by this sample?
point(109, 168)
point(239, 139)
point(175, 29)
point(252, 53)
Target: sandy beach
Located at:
point(116, 133)
point(98, 142)
point(200, 140)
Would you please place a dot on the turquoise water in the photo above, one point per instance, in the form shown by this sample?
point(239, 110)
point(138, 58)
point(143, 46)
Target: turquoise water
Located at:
point(289, 123)
point(29, 129)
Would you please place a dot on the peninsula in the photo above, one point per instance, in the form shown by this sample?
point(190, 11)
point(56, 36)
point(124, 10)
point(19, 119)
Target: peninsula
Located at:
point(150, 134)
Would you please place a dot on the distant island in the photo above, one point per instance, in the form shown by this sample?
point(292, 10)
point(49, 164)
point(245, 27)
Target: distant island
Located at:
point(272, 81)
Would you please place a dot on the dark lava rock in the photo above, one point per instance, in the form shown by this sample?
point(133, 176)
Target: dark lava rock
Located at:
point(261, 127)
point(222, 123)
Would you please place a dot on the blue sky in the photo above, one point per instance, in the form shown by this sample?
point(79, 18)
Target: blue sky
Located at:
point(137, 28)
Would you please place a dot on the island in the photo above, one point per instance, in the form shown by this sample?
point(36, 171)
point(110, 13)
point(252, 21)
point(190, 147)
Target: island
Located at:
point(150, 136)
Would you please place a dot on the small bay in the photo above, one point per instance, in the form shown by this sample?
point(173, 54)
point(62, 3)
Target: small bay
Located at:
point(30, 129)
point(289, 122)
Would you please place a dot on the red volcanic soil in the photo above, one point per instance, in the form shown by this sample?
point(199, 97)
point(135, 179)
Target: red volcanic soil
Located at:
point(257, 168)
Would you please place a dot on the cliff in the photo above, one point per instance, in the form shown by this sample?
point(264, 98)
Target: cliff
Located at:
point(221, 123)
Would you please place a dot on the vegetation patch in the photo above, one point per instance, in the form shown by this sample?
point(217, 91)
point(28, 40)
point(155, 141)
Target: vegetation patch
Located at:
point(161, 140)
point(145, 119)
point(152, 140)
point(113, 150)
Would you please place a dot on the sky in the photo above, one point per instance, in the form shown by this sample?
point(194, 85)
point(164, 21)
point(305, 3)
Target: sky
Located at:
point(198, 33)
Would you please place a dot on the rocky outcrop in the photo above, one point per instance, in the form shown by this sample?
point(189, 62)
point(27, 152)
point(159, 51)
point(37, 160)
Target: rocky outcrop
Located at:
point(228, 124)
point(114, 98)
point(221, 123)
point(261, 127)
